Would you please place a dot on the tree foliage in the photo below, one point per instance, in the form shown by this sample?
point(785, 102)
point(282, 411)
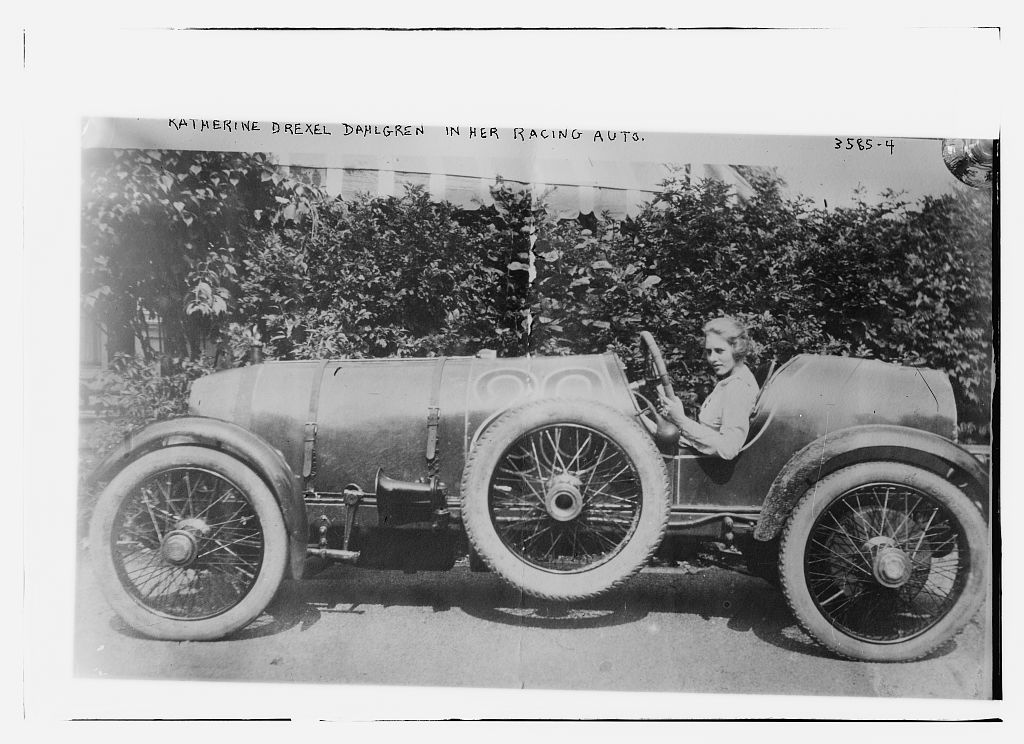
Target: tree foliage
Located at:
point(162, 233)
point(212, 241)
point(888, 280)
point(393, 276)
point(406, 276)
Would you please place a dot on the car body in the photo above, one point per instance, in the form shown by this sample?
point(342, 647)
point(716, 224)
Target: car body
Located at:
point(540, 469)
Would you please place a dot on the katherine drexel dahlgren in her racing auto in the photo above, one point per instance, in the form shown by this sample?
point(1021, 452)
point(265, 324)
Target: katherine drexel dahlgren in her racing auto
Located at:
point(724, 420)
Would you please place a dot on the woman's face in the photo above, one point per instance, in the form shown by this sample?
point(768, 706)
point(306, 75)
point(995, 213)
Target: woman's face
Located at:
point(719, 354)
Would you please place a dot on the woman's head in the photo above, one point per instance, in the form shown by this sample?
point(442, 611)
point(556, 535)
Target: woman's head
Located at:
point(726, 344)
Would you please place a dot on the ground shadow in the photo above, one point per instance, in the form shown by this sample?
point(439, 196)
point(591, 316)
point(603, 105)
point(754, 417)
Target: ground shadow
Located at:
point(749, 604)
point(711, 587)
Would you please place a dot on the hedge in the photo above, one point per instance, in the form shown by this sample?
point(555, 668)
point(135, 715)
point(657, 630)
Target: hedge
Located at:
point(407, 276)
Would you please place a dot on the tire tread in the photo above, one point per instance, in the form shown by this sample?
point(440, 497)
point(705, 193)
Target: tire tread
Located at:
point(792, 600)
point(477, 452)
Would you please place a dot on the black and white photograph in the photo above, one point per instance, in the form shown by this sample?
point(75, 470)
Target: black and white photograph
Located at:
point(525, 405)
point(373, 401)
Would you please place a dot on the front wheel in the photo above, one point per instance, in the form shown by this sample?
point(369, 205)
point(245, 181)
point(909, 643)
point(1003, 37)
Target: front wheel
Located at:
point(882, 561)
point(188, 544)
point(564, 499)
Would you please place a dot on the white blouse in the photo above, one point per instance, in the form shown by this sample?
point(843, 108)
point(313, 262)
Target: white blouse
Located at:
point(724, 419)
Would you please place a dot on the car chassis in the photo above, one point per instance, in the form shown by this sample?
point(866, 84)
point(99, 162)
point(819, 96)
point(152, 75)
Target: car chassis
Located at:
point(557, 474)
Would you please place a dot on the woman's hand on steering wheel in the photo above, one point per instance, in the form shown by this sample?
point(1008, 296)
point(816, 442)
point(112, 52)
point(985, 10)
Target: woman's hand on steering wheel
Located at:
point(671, 407)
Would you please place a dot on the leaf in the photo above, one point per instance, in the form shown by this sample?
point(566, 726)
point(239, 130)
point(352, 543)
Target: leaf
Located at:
point(651, 281)
point(601, 264)
point(195, 170)
point(179, 205)
point(281, 200)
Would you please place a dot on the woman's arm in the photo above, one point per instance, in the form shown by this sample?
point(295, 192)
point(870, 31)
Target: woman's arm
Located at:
point(737, 403)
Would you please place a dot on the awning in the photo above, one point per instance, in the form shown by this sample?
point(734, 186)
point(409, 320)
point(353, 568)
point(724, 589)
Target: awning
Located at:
point(572, 176)
point(568, 188)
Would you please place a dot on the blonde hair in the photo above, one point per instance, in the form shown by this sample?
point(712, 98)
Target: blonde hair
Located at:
point(735, 334)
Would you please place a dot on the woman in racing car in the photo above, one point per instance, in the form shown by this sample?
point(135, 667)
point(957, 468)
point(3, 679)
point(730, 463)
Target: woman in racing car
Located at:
point(723, 423)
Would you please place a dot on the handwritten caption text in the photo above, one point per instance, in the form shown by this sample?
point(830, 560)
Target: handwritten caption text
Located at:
point(302, 129)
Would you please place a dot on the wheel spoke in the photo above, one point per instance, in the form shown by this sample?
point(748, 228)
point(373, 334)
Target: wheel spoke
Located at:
point(846, 534)
point(598, 492)
point(145, 538)
point(214, 502)
point(556, 446)
point(226, 546)
point(580, 448)
point(848, 537)
point(925, 530)
point(572, 503)
point(883, 522)
point(189, 490)
point(193, 506)
point(168, 574)
point(233, 517)
point(906, 517)
point(593, 468)
point(168, 495)
point(537, 461)
point(859, 514)
point(152, 516)
point(537, 532)
point(619, 499)
point(151, 565)
point(842, 557)
point(526, 480)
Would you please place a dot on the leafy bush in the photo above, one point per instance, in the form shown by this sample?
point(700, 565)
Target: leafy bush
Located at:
point(162, 233)
point(887, 280)
point(392, 276)
point(407, 276)
point(914, 285)
point(692, 254)
point(131, 393)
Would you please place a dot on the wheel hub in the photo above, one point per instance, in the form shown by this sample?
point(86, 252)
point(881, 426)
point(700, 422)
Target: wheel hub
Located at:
point(891, 567)
point(179, 547)
point(563, 499)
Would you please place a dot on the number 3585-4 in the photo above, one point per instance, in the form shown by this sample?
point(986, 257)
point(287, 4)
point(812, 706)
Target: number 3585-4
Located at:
point(863, 143)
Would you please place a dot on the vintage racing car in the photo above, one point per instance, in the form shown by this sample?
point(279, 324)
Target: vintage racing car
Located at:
point(850, 490)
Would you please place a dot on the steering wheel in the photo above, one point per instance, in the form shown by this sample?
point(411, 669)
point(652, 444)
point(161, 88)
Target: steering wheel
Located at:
point(665, 432)
point(654, 366)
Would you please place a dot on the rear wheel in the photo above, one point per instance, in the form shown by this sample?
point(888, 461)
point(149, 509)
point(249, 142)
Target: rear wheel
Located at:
point(188, 544)
point(564, 499)
point(884, 561)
